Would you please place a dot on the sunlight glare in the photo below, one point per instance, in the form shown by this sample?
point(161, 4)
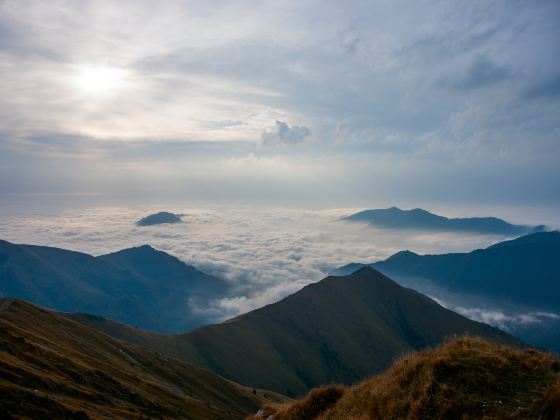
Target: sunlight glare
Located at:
point(100, 79)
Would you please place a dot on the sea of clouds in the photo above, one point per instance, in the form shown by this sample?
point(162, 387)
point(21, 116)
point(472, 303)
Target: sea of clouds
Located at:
point(266, 253)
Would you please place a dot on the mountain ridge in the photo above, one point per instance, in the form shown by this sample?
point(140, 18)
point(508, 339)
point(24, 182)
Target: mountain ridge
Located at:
point(339, 329)
point(395, 218)
point(517, 276)
point(124, 285)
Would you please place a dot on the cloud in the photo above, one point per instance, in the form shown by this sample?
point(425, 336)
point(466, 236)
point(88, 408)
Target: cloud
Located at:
point(548, 89)
point(282, 134)
point(482, 72)
point(364, 77)
point(506, 321)
point(266, 253)
point(510, 320)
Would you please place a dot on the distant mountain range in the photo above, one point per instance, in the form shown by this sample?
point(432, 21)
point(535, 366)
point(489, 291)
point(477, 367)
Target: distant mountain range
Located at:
point(395, 218)
point(52, 367)
point(525, 270)
point(162, 217)
point(138, 286)
point(341, 329)
point(520, 276)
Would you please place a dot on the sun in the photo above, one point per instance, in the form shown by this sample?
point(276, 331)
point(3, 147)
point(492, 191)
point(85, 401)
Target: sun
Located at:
point(100, 79)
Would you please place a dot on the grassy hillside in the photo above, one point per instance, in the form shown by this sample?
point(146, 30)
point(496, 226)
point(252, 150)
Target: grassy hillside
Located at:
point(54, 367)
point(465, 378)
point(341, 329)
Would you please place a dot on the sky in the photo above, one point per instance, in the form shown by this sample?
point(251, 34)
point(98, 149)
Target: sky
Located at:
point(307, 104)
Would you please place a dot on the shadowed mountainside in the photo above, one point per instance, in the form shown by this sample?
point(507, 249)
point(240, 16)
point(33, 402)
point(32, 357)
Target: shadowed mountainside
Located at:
point(51, 366)
point(138, 286)
point(525, 270)
point(395, 218)
point(465, 378)
point(341, 329)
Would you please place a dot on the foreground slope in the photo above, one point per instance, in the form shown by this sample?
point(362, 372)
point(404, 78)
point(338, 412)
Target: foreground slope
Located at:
point(341, 329)
point(54, 367)
point(395, 218)
point(465, 378)
point(138, 286)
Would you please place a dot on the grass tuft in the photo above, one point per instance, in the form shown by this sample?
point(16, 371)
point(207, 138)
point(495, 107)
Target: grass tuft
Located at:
point(465, 378)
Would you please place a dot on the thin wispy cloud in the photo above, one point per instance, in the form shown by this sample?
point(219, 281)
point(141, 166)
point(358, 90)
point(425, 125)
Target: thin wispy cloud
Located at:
point(467, 89)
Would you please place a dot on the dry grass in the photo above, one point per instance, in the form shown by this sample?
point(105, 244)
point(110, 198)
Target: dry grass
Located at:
point(51, 367)
point(314, 404)
point(463, 379)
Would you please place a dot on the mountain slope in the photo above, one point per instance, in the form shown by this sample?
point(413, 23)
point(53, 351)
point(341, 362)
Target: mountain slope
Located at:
point(516, 282)
point(395, 218)
point(139, 286)
point(524, 270)
point(340, 329)
point(71, 281)
point(465, 378)
point(55, 367)
point(167, 271)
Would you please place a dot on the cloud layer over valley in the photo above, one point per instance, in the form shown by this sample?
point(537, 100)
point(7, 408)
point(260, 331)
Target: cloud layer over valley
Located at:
point(265, 253)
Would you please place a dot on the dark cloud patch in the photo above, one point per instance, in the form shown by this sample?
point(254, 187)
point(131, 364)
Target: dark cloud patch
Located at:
point(450, 44)
point(283, 134)
point(482, 72)
point(547, 89)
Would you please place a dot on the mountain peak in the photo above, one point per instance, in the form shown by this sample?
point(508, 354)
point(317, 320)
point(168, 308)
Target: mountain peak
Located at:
point(365, 270)
point(328, 332)
point(140, 248)
point(163, 217)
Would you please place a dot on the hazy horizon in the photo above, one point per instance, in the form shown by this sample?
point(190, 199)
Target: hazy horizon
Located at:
point(265, 253)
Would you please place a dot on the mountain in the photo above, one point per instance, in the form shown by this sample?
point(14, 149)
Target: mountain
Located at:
point(519, 278)
point(467, 378)
point(340, 329)
point(172, 276)
point(159, 218)
point(395, 218)
point(138, 286)
point(52, 367)
point(524, 270)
